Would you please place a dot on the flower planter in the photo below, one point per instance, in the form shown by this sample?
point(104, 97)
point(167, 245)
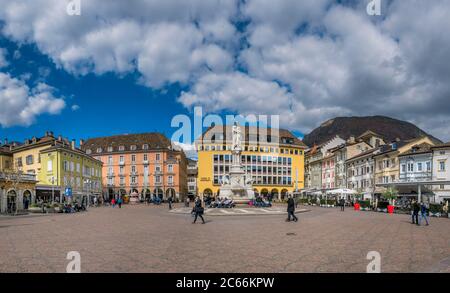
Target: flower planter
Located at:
point(357, 206)
point(35, 210)
point(390, 209)
point(382, 210)
point(364, 209)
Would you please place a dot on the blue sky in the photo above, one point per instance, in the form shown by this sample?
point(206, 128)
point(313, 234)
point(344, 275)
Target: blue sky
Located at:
point(127, 68)
point(96, 105)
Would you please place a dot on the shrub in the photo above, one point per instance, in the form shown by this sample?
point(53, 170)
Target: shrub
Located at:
point(435, 208)
point(383, 204)
point(364, 203)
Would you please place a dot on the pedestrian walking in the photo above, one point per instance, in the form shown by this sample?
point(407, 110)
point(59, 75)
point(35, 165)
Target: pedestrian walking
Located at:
point(170, 202)
point(113, 202)
point(198, 210)
point(415, 213)
point(119, 202)
point(186, 202)
point(423, 214)
point(342, 203)
point(291, 210)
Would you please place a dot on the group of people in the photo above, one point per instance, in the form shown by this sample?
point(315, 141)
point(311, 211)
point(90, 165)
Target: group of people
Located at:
point(118, 202)
point(419, 209)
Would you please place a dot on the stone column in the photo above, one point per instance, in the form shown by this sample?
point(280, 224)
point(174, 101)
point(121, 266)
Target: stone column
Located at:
point(2, 201)
point(19, 200)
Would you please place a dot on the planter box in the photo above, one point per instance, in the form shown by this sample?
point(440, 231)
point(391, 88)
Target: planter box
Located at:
point(366, 209)
point(437, 215)
point(35, 210)
point(381, 210)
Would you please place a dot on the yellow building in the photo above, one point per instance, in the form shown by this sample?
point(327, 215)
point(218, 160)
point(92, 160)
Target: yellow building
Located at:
point(275, 160)
point(387, 166)
point(58, 166)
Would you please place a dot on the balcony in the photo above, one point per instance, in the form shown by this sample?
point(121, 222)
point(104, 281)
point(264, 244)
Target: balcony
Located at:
point(145, 162)
point(110, 174)
point(122, 163)
point(20, 177)
point(133, 184)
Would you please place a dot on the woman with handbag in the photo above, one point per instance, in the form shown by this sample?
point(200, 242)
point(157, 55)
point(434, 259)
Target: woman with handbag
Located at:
point(198, 209)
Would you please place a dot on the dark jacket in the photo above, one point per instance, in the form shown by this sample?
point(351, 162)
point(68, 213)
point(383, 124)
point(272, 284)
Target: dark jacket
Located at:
point(416, 208)
point(290, 205)
point(198, 207)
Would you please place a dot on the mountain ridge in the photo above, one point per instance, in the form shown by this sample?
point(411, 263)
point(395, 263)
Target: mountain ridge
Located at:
point(388, 128)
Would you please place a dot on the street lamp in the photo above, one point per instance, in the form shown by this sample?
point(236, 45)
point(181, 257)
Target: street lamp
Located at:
point(87, 182)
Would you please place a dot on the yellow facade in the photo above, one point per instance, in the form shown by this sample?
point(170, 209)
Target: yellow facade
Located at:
point(5, 162)
point(276, 169)
point(33, 164)
point(387, 165)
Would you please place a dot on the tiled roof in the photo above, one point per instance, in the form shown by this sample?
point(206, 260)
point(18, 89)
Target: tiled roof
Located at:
point(442, 145)
point(363, 154)
point(418, 149)
point(154, 140)
point(283, 134)
point(387, 148)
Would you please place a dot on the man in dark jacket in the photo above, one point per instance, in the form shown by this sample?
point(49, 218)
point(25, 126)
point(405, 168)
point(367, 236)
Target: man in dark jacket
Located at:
point(170, 202)
point(415, 213)
point(342, 203)
point(198, 210)
point(291, 209)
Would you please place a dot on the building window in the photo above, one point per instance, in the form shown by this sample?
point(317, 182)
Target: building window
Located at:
point(157, 168)
point(49, 166)
point(419, 167)
point(121, 159)
point(158, 179)
point(110, 149)
point(158, 157)
point(428, 166)
point(170, 168)
point(133, 158)
point(133, 169)
point(121, 148)
point(110, 160)
point(442, 166)
point(145, 147)
point(170, 179)
point(99, 150)
point(88, 151)
point(133, 148)
point(145, 157)
point(29, 160)
point(121, 170)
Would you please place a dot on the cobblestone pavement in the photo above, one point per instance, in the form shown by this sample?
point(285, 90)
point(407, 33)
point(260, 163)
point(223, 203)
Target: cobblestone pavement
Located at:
point(150, 239)
point(240, 211)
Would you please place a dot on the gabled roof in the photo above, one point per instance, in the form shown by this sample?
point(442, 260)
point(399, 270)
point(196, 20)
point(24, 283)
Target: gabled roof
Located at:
point(422, 148)
point(154, 140)
point(442, 145)
point(363, 154)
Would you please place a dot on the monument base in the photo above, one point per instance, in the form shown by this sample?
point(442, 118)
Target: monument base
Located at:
point(238, 195)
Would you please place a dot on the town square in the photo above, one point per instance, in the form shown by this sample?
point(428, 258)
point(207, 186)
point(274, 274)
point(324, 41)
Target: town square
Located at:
point(151, 239)
point(224, 137)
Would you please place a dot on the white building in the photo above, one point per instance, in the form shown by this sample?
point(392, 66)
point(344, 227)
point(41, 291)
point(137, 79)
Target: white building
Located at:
point(416, 164)
point(441, 171)
point(360, 173)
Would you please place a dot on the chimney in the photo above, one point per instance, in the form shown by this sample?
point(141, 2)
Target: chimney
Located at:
point(351, 139)
point(6, 140)
point(59, 137)
point(34, 139)
point(27, 141)
point(73, 144)
point(81, 142)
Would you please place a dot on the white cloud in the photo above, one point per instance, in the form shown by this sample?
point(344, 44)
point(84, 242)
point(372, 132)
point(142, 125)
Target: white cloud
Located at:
point(21, 105)
point(307, 60)
point(75, 108)
point(3, 62)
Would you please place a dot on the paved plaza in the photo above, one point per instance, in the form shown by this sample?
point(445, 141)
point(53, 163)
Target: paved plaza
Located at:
point(150, 239)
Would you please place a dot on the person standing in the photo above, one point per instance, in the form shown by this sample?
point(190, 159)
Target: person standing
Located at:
point(113, 202)
point(170, 202)
point(415, 213)
point(423, 213)
point(291, 209)
point(342, 203)
point(119, 202)
point(198, 210)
